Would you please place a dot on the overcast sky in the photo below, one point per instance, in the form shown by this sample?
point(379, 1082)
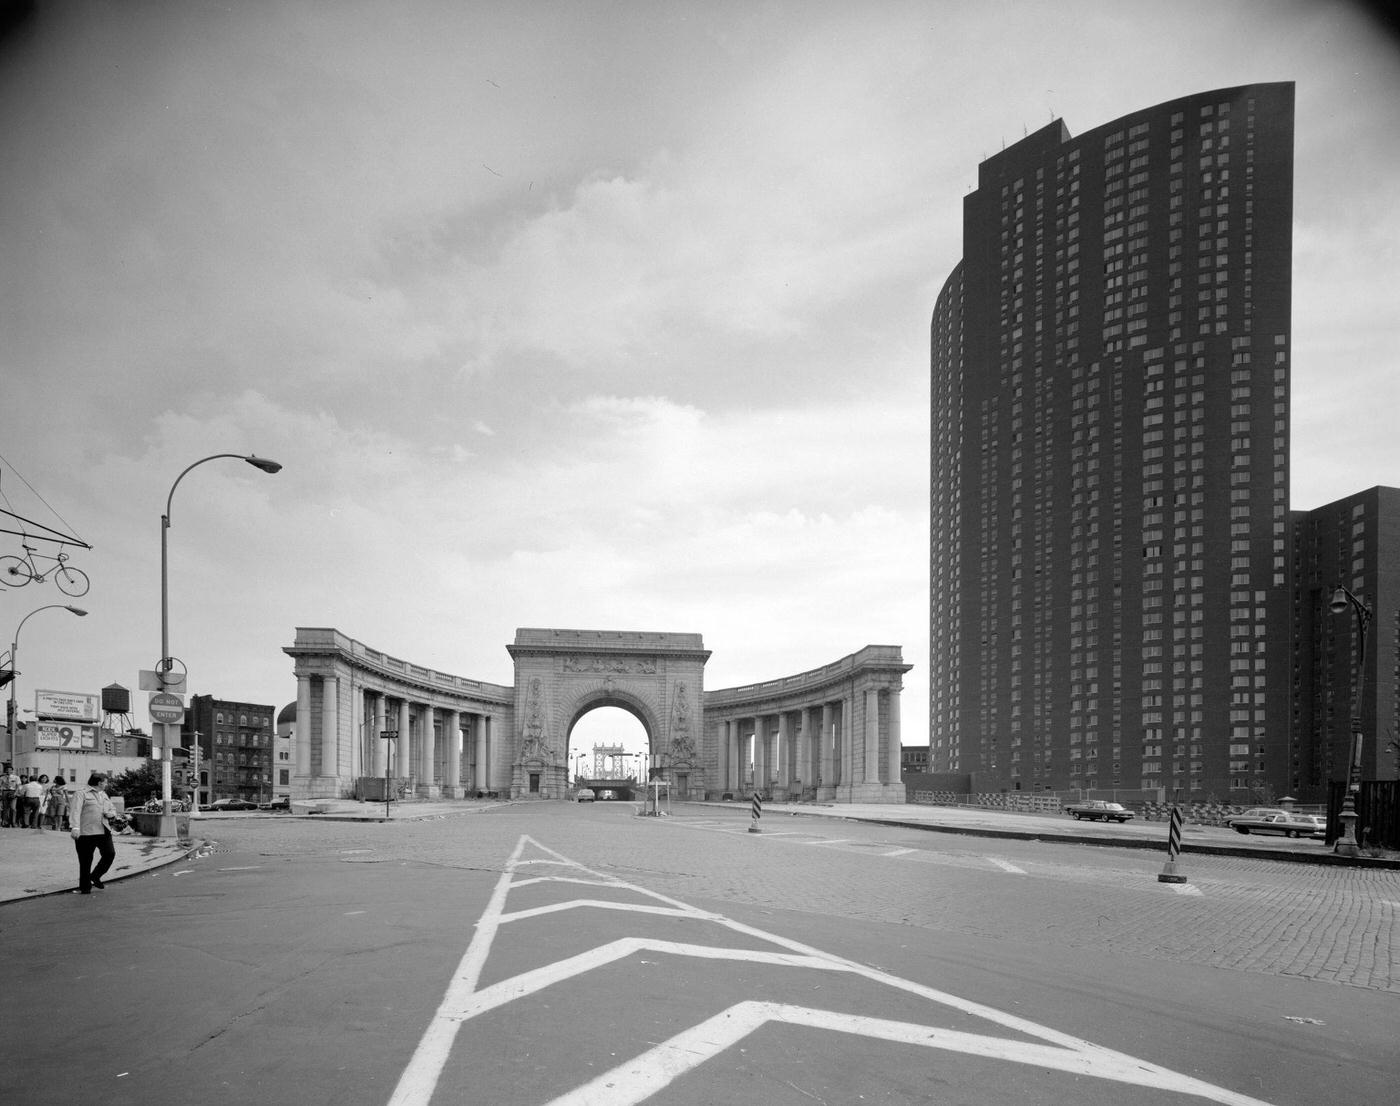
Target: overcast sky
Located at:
point(585, 315)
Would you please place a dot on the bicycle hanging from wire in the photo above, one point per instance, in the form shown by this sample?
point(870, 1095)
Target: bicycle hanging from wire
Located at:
point(18, 571)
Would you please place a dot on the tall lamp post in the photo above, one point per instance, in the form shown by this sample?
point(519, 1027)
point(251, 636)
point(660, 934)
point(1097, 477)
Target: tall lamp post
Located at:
point(1342, 599)
point(166, 664)
point(13, 711)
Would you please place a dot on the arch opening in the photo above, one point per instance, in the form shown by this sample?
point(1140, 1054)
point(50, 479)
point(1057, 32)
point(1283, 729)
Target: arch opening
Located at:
point(608, 749)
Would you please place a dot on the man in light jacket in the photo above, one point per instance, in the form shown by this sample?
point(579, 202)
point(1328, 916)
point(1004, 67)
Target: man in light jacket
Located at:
point(90, 816)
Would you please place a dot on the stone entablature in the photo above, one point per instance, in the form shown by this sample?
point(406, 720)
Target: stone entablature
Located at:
point(831, 732)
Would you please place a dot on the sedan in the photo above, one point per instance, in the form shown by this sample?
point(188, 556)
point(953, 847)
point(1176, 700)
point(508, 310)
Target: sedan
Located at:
point(220, 805)
point(1267, 819)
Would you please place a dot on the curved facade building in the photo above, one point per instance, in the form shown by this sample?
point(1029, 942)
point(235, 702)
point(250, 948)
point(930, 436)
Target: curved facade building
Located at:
point(1110, 374)
point(367, 722)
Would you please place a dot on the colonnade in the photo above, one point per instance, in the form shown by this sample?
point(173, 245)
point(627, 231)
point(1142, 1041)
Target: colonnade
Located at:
point(438, 752)
point(831, 734)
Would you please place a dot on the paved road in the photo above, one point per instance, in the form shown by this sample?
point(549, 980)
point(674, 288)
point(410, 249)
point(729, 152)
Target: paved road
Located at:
point(548, 953)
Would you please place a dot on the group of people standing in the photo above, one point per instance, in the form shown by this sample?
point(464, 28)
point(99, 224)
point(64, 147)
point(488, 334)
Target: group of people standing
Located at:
point(32, 802)
point(87, 813)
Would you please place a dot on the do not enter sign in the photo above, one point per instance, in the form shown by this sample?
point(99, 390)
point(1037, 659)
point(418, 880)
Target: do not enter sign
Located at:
point(167, 708)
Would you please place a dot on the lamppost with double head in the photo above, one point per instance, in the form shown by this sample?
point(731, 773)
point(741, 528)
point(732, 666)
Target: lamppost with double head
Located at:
point(1342, 600)
point(12, 709)
point(165, 666)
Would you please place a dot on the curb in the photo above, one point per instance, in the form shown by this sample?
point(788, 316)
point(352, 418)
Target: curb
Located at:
point(1325, 859)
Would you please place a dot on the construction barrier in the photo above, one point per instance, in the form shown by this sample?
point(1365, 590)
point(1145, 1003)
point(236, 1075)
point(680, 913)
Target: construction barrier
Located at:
point(757, 813)
point(1169, 873)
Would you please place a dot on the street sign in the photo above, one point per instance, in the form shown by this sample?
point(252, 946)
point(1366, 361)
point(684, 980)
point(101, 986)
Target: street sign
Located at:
point(167, 708)
point(173, 682)
point(389, 735)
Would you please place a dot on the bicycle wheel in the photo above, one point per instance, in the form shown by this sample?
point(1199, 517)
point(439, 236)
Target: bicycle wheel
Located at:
point(71, 581)
point(14, 571)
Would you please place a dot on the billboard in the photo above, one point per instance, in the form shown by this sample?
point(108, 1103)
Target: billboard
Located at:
point(67, 706)
point(58, 735)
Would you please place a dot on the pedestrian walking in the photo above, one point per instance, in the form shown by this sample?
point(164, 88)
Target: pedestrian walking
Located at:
point(90, 815)
point(56, 803)
point(31, 791)
point(9, 794)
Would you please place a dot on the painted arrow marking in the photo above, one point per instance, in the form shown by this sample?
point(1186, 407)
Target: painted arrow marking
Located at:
point(644, 1075)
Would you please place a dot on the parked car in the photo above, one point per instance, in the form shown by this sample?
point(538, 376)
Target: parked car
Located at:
point(221, 805)
point(1097, 810)
point(282, 802)
point(585, 795)
point(1268, 819)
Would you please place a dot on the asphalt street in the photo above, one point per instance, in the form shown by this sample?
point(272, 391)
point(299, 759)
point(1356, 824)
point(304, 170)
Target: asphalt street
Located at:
point(543, 953)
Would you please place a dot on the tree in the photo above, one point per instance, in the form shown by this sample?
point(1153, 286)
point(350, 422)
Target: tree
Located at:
point(137, 785)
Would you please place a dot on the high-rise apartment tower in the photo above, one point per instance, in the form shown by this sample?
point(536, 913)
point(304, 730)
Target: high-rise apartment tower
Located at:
point(1110, 372)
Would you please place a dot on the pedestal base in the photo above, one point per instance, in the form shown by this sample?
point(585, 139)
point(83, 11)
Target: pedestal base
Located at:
point(870, 793)
point(315, 787)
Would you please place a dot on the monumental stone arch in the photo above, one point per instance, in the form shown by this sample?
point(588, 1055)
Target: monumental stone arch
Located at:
point(367, 722)
point(561, 675)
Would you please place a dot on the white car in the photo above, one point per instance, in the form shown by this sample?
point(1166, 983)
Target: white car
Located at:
point(1268, 819)
point(585, 795)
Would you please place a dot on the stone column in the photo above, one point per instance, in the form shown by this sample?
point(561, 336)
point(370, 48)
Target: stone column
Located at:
point(805, 776)
point(302, 733)
point(428, 782)
point(488, 723)
point(782, 744)
point(722, 763)
point(381, 752)
point(452, 732)
point(847, 760)
point(404, 757)
point(479, 725)
point(896, 747)
point(872, 735)
point(826, 745)
point(761, 765)
point(330, 724)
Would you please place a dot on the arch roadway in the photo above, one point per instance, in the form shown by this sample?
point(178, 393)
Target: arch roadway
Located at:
point(832, 733)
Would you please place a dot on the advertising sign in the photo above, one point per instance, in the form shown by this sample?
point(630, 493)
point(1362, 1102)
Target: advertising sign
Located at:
point(58, 735)
point(68, 706)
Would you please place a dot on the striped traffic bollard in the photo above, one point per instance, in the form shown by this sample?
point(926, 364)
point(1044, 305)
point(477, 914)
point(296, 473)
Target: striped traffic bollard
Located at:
point(757, 813)
point(1169, 874)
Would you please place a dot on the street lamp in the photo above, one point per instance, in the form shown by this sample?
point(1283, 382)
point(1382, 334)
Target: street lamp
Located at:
point(166, 663)
point(14, 670)
point(1342, 599)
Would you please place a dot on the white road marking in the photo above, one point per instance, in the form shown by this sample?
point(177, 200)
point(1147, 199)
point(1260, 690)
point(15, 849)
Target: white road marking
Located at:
point(639, 1078)
point(246, 868)
point(1007, 866)
point(1184, 889)
point(896, 852)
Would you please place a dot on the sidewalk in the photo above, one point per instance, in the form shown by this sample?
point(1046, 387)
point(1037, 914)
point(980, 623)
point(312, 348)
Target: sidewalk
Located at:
point(33, 863)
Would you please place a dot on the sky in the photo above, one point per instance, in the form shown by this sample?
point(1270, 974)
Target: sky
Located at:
point(584, 315)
